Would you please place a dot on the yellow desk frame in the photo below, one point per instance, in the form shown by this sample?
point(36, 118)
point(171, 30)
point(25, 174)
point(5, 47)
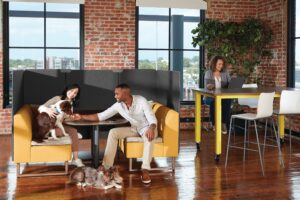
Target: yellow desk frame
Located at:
point(220, 94)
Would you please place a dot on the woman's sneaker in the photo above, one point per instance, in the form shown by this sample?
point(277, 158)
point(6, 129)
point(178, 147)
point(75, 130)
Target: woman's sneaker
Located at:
point(78, 162)
point(224, 128)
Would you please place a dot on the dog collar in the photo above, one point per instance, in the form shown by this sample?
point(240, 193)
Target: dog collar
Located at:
point(57, 109)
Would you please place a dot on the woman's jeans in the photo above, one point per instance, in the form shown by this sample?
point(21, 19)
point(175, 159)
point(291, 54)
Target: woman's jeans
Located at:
point(226, 104)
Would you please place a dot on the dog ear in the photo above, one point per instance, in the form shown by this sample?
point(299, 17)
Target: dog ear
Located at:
point(77, 175)
point(66, 106)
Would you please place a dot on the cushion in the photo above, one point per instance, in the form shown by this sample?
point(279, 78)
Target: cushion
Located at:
point(140, 139)
point(50, 141)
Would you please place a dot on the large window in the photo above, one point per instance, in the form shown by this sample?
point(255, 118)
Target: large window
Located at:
point(41, 36)
point(297, 45)
point(164, 43)
point(294, 44)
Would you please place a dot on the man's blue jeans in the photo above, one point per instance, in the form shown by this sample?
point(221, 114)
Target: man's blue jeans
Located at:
point(226, 104)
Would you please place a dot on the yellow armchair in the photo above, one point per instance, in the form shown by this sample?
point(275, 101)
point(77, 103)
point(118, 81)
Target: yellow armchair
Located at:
point(167, 142)
point(25, 152)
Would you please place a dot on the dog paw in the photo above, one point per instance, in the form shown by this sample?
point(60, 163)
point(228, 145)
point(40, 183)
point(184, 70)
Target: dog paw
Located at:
point(118, 186)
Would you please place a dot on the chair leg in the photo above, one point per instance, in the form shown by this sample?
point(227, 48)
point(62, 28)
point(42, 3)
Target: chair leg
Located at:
point(245, 136)
point(266, 127)
point(173, 164)
point(66, 167)
point(258, 146)
point(228, 143)
point(277, 137)
point(130, 164)
point(290, 133)
point(18, 170)
point(233, 125)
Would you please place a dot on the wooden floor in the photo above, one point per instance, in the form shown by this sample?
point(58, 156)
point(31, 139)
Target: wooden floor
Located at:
point(197, 176)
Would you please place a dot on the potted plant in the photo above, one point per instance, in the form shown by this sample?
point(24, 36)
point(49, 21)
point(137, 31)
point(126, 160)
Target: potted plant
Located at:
point(242, 44)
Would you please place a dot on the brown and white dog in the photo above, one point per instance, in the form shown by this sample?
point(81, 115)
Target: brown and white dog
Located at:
point(47, 124)
point(100, 178)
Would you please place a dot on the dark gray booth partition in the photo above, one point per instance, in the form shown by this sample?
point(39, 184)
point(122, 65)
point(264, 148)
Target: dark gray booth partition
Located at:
point(97, 86)
point(160, 86)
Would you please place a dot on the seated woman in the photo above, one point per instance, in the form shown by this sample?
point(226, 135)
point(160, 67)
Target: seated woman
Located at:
point(72, 94)
point(217, 77)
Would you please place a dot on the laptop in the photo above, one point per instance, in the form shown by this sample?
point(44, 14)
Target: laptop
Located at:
point(236, 83)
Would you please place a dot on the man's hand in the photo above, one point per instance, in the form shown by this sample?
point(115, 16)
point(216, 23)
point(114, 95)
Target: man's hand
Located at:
point(150, 133)
point(75, 117)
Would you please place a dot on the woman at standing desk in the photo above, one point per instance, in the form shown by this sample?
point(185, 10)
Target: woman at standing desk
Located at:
point(217, 77)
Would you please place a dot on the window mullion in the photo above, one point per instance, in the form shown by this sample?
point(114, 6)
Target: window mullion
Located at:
point(45, 26)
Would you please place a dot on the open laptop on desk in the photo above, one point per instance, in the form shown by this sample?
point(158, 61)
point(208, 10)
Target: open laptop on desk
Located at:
point(236, 83)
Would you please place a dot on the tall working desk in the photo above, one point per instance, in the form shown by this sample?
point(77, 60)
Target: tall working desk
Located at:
point(220, 94)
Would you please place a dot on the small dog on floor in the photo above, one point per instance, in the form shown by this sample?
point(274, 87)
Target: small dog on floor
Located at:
point(100, 178)
point(47, 124)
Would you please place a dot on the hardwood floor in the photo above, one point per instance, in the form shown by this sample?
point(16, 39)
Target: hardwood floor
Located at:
point(197, 176)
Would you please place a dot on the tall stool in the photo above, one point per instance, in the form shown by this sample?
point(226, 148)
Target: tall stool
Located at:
point(289, 105)
point(264, 111)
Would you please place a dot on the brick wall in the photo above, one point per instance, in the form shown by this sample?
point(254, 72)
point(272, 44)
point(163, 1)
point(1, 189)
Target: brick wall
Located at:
point(231, 10)
point(274, 13)
point(109, 34)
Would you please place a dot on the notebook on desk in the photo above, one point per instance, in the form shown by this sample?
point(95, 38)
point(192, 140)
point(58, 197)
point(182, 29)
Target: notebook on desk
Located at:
point(236, 83)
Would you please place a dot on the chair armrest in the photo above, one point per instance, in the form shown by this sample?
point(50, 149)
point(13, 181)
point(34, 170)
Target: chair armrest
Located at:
point(22, 134)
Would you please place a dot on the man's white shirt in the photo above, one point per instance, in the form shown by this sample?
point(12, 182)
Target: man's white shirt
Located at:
point(139, 115)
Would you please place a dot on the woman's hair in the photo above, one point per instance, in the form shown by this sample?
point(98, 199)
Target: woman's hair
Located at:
point(213, 63)
point(75, 101)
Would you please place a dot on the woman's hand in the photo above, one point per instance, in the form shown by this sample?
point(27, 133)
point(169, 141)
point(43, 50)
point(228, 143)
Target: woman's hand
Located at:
point(51, 112)
point(210, 86)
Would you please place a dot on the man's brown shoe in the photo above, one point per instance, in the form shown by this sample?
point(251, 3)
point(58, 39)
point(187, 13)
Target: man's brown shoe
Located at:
point(145, 176)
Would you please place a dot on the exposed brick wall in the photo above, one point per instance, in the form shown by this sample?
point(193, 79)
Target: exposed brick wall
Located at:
point(274, 13)
point(109, 34)
point(231, 10)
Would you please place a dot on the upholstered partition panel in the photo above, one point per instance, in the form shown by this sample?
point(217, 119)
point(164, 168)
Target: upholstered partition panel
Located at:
point(41, 85)
point(18, 93)
point(168, 88)
point(142, 82)
point(97, 88)
point(160, 86)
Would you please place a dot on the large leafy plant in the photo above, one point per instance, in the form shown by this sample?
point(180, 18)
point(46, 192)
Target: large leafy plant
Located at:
point(243, 44)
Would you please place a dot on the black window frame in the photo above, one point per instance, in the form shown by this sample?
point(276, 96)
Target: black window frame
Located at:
point(291, 71)
point(169, 49)
point(41, 14)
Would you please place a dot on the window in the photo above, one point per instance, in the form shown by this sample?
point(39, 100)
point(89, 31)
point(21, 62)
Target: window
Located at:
point(41, 36)
point(297, 45)
point(293, 78)
point(164, 43)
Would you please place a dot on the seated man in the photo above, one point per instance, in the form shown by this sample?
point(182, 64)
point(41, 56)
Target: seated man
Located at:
point(138, 112)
